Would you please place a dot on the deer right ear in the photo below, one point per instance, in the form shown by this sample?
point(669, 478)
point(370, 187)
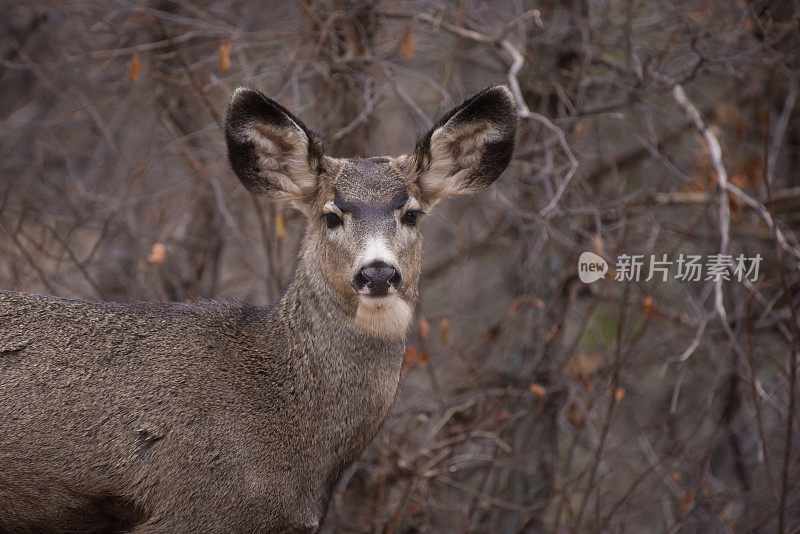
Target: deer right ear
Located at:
point(468, 147)
point(271, 151)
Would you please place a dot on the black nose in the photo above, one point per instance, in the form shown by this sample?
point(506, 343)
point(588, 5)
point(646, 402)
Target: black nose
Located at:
point(377, 277)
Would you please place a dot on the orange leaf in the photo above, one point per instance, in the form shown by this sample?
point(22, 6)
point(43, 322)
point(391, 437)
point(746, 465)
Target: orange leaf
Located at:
point(225, 55)
point(501, 414)
point(407, 45)
point(423, 357)
point(538, 390)
point(157, 254)
point(686, 502)
point(136, 67)
point(649, 307)
point(424, 328)
point(619, 394)
point(512, 309)
point(551, 334)
point(412, 355)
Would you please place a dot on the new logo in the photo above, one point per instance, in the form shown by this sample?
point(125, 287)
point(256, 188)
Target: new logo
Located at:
point(591, 267)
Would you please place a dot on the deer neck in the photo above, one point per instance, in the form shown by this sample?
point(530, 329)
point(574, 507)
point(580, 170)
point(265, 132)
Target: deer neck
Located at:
point(322, 325)
point(349, 377)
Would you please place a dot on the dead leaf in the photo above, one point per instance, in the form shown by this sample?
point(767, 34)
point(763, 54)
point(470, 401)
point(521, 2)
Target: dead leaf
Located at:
point(583, 365)
point(753, 170)
point(551, 334)
point(727, 114)
point(280, 226)
point(225, 55)
point(648, 306)
point(619, 394)
point(537, 389)
point(424, 328)
point(136, 67)
point(407, 45)
point(354, 40)
point(739, 180)
point(501, 414)
point(444, 330)
point(574, 415)
point(514, 306)
point(650, 309)
point(413, 357)
point(157, 254)
point(581, 129)
point(686, 502)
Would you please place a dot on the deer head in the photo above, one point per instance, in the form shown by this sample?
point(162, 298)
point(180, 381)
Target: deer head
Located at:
point(363, 238)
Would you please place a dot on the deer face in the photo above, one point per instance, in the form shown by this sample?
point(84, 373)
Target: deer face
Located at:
point(364, 215)
point(368, 236)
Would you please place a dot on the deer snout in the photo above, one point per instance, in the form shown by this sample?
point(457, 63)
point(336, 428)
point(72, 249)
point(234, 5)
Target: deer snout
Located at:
point(377, 277)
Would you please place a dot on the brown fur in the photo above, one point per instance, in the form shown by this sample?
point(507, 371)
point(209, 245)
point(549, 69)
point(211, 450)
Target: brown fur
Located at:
point(220, 416)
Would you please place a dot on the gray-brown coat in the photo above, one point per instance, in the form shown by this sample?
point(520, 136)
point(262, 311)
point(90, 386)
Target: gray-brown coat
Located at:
point(221, 416)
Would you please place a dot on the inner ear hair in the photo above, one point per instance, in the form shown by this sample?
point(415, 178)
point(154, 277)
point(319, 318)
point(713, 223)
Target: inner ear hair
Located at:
point(272, 152)
point(283, 154)
point(468, 147)
point(455, 154)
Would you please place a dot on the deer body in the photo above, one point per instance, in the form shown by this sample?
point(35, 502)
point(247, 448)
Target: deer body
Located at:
point(226, 417)
point(270, 404)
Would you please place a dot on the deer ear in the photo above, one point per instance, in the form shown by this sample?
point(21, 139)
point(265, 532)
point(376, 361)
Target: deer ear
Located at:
point(468, 147)
point(271, 151)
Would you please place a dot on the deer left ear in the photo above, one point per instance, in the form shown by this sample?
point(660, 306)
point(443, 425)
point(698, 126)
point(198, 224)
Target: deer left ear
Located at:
point(468, 148)
point(272, 152)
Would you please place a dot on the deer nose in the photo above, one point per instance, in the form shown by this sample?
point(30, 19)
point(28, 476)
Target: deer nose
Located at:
point(377, 277)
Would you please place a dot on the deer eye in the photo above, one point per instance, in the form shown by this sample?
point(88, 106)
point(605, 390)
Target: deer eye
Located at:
point(410, 217)
point(332, 220)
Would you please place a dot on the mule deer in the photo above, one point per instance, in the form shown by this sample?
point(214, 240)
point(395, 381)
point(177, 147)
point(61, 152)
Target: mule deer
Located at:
point(226, 417)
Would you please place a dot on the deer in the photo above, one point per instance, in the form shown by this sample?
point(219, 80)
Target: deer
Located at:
point(219, 416)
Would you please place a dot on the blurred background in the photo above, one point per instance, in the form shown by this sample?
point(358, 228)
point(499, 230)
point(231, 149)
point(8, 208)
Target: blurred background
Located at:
point(531, 401)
